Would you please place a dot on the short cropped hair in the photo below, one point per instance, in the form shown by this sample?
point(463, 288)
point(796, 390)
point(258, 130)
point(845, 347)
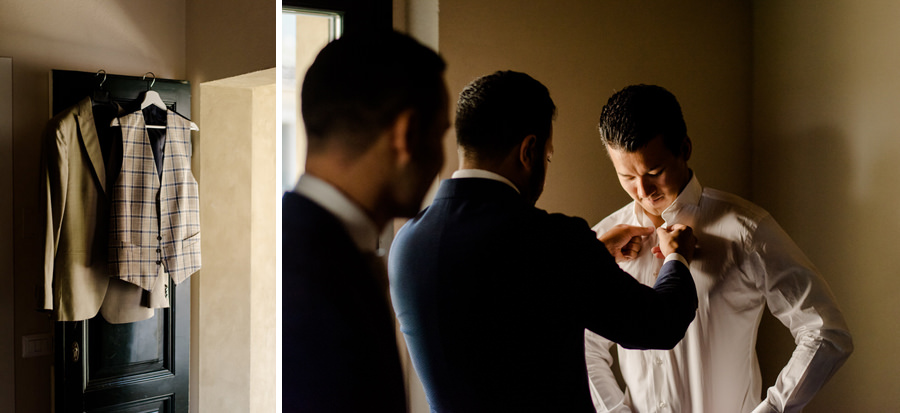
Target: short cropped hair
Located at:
point(359, 84)
point(637, 114)
point(496, 112)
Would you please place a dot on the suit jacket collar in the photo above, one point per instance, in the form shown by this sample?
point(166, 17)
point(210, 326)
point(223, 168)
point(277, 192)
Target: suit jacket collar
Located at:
point(89, 139)
point(481, 173)
point(482, 188)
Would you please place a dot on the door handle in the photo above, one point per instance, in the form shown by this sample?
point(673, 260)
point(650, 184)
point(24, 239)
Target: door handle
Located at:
point(76, 352)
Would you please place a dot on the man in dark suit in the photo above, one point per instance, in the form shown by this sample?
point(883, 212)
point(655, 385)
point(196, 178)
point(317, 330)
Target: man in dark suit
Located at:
point(494, 294)
point(375, 110)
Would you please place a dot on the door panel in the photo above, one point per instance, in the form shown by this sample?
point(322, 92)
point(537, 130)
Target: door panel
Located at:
point(136, 367)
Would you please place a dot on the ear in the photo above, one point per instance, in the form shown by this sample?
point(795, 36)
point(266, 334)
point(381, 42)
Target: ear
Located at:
point(528, 151)
point(686, 148)
point(400, 136)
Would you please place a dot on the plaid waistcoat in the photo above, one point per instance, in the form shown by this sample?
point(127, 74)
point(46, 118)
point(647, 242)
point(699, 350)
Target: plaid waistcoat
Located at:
point(154, 226)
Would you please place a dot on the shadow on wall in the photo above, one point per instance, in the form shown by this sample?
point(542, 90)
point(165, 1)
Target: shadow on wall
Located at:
point(818, 193)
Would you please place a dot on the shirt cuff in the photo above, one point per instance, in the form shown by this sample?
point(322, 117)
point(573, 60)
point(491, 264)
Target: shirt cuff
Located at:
point(676, 256)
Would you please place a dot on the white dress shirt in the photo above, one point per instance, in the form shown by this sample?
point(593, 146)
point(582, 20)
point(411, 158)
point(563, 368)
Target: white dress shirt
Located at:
point(744, 262)
point(481, 173)
point(361, 228)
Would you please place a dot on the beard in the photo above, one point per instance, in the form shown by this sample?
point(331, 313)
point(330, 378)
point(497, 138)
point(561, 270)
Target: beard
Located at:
point(536, 180)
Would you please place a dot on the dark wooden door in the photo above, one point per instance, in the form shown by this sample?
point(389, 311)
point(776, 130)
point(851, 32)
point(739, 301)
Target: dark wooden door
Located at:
point(139, 367)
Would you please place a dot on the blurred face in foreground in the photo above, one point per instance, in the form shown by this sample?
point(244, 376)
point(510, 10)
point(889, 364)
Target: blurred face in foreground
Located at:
point(426, 150)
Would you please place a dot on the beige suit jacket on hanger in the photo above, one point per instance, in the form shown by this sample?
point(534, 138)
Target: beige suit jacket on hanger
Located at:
point(76, 283)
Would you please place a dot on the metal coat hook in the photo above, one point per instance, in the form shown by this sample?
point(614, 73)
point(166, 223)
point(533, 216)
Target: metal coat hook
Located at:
point(152, 79)
point(102, 81)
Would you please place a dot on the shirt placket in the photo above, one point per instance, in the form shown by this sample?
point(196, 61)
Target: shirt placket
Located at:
point(658, 362)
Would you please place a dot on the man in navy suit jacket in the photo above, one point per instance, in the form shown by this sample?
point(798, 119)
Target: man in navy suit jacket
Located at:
point(494, 295)
point(375, 110)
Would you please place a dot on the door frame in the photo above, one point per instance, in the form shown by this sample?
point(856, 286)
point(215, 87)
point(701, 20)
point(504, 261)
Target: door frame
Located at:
point(357, 15)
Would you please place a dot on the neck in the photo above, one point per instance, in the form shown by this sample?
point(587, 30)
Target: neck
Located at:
point(657, 220)
point(360, 180)
point(505, 168)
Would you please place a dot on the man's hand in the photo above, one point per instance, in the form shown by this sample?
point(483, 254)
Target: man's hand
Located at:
point(624, 241)
point(677, 238)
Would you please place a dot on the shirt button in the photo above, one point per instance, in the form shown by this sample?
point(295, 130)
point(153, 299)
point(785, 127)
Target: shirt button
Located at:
point(659, 362)
point(158, 262)
point(663, 405)
point(158, 237)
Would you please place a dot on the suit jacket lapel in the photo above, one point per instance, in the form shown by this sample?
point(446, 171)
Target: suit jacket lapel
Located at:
point(90, 141)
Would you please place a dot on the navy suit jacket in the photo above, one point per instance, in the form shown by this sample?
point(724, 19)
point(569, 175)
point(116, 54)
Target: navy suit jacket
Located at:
point(493, 296)
point(339, 349)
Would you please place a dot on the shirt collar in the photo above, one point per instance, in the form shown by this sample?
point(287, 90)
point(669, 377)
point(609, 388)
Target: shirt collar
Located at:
point(481, 173)
point(689, 196)
point(362, 230)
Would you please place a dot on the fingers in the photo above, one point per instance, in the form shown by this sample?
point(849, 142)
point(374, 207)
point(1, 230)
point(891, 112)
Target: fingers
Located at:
point(639, 231)
point(677, 238)
point(620, 236)
point(631, 250)
point(625, 242)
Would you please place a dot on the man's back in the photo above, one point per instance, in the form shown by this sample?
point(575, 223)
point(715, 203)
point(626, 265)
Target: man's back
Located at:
point(338, 333)
point(494, 295)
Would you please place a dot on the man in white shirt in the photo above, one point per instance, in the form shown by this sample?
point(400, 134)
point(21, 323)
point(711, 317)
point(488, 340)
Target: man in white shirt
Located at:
point(744, 262)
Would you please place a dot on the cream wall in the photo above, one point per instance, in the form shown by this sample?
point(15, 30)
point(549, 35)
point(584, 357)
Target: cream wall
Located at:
point(224, 38)
point(236, 305)
point(825, 142)
point(199, 40)
point(583, 51)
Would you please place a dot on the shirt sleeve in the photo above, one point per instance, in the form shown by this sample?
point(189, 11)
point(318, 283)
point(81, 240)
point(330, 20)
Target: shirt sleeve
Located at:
point(605, 391)
point(798, 296)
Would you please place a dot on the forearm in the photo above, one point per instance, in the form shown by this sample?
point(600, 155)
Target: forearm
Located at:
point(676, 303)
point(816, 358)
point(605, 391)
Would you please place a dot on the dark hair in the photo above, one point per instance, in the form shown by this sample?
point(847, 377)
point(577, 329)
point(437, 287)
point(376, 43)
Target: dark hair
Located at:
point(635, 115)
point(495, 112)
point(360, 83)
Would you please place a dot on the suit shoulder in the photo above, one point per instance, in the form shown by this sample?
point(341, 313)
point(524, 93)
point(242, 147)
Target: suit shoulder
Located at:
point(558, 222)
point(65, 117)
point(305, 219)
point(63, 126)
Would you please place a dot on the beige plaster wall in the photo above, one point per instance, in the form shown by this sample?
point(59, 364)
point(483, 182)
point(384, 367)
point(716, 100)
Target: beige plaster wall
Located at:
point(128, 38)
point(583, 51)
point(223, 38)
point(237, 302)
point(825, 143)
point(226, 38)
